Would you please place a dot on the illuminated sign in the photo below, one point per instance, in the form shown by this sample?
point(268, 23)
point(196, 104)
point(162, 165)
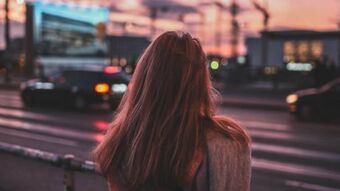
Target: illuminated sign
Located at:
point(304, 67)
point(67, 30)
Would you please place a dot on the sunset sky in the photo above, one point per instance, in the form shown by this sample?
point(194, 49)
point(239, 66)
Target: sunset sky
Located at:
point(285, 14)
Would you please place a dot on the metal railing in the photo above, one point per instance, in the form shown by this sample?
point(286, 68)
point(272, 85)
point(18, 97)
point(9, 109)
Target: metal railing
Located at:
point(68, 162)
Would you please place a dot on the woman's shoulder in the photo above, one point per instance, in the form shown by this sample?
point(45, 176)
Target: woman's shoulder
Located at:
point(218, 140)
point(226, 132)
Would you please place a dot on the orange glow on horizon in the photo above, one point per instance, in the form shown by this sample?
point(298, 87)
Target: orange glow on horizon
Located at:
point(286, 14)
point(17, 11)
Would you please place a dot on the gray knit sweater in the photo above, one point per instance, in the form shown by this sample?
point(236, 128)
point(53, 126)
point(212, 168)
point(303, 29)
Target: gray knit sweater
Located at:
point(226, 166)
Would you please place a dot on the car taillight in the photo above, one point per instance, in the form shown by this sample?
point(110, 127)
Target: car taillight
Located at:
point(111, 70)
point(102, 88)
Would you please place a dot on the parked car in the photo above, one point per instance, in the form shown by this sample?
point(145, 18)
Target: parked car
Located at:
point(77, 88)
point(316, 103)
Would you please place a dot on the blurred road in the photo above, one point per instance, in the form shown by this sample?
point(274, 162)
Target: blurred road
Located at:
point(287, 154)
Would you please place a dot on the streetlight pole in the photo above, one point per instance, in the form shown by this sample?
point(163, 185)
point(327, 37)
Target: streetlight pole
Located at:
point(7, 26)
point(235, 28)
point(7, 43)
point(153, 16)
point(264, 11)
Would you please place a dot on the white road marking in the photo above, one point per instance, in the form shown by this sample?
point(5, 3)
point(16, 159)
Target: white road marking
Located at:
point(296, 152)
point(265, 125)
point(12, 105)
point(302, 170)
point(308, 186)
point(52, 130)
point(281, 135)
point(37, 116)
point(22, 113)
point(10, 97)
point(31, 115)
point(37, 137)
point(10, 102)
point(285, 127)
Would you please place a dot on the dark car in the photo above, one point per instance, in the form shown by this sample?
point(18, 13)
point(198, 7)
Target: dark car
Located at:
point(316, 103)
point(77, 88)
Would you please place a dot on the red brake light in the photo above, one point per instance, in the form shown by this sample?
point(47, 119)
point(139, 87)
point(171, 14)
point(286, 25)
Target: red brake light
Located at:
point(102, 88)
point(111, 70)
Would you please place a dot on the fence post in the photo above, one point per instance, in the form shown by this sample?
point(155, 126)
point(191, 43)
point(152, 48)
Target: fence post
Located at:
point(68, 173)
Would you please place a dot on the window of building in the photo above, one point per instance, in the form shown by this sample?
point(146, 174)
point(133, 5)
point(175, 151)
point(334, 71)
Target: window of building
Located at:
point(289, 51)
point(301, 55)
point(303, 51)
point(317, 50)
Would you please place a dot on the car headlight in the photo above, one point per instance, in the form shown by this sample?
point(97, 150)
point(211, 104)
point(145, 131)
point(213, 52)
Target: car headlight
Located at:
point(119, 88)
point(292, 98)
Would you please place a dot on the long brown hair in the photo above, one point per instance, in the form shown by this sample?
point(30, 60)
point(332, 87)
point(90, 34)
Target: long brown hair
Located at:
point(162, 118)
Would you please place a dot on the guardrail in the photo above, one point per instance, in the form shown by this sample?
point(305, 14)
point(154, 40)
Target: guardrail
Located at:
point(68, 162)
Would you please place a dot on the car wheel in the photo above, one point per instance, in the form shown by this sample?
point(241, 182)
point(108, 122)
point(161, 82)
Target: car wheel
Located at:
point(306, 112)
point(79, 102)
point(28, 99)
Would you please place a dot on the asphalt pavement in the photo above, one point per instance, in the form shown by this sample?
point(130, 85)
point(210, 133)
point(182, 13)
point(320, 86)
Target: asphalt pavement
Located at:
point(287, 154)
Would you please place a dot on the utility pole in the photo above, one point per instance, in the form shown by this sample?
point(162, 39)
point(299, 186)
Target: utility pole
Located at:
point(338, 20)
point(153, 15)
point(202, 25)
point(7, 64)
point(266, 16)
point(218, 34)
point(264, 11)
point(7, 26)
point(218, 23)
point(234, 10)
point(235, 28)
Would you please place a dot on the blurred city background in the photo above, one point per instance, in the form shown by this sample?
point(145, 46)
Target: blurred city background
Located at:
point(65, 64)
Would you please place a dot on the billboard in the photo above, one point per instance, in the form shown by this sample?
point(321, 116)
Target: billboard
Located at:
point(64, 30)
